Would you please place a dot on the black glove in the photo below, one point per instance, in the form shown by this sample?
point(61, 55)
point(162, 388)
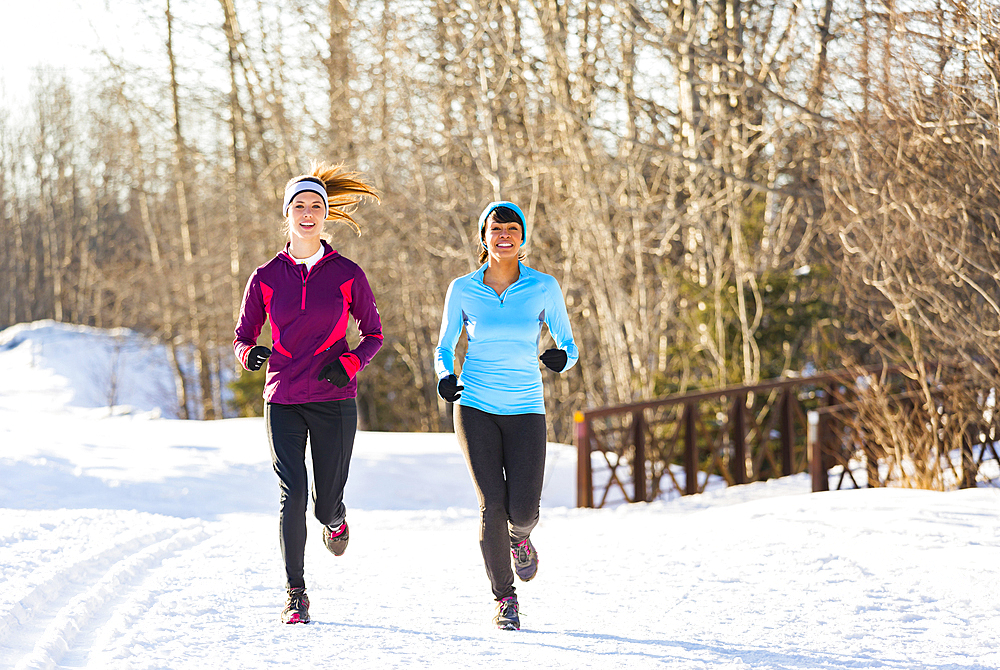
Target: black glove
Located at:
point(256, 357)
point(335, 374)
point(554, 359)
point(449, 389)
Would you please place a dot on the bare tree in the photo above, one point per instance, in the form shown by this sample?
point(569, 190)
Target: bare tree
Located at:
point(726, 191)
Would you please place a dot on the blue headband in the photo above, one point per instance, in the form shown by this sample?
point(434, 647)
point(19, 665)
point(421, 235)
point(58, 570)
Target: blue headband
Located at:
point(311, 184)
point(503, 203)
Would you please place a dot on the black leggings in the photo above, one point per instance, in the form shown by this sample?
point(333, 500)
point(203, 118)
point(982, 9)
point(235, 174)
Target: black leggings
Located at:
point(506, 456)
point(330, 427)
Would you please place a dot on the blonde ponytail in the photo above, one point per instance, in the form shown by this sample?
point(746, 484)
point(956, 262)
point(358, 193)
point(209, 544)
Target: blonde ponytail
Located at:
point(344, 191)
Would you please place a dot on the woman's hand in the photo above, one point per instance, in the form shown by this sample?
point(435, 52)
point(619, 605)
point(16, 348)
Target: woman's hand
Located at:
point(554, 359)
point(335, 374)
point(449, 388)
point(256, 357)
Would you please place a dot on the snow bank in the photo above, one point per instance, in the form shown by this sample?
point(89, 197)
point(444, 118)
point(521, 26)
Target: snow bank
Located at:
point(51, 364)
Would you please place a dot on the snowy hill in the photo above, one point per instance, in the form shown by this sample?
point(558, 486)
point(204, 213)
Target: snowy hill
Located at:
point(52, 364)
point(129, 540)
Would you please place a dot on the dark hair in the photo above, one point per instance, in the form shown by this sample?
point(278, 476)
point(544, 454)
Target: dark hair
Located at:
point(499, 215)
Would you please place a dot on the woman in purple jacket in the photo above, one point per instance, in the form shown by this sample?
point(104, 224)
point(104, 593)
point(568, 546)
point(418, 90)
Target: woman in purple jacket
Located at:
point(307, 291)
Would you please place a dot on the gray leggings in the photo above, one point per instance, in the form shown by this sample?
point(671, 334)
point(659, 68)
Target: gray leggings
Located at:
point(506, 457)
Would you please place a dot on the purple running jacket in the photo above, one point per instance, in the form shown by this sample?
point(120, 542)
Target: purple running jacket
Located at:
point(309, 316)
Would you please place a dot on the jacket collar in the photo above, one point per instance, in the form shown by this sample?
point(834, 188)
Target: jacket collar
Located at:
point(482, 269)
point(328, 252)
point(480, 274)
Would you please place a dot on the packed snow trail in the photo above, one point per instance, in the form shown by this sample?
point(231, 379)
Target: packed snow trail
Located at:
point(885, 578)
point(130, 541)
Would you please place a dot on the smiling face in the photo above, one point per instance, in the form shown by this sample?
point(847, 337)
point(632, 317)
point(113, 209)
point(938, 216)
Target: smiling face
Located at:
point(306, 216)
point(502, 239)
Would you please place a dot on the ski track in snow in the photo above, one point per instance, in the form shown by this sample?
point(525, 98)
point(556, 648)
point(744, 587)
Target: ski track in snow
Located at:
point(77, 589)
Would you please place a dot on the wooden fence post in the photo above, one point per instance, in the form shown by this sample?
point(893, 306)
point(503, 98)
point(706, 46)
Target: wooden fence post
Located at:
point(871, 452)
point(970, 468)
point(690, 448)
point(814, 440)
point(584, 477)
point(787, 431)
point(738, 437)
point(639, 456)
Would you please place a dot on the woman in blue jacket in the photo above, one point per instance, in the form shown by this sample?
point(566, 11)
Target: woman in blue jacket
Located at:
point(500, 409)
point(308, 291)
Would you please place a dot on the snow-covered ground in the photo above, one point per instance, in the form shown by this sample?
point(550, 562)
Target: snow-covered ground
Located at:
point(128, 540)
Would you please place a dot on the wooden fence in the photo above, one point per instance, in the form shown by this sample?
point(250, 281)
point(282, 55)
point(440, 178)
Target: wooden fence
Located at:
point(839, 439)
point(736, 435)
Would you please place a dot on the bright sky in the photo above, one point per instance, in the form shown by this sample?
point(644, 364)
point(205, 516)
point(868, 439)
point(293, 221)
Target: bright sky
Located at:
point(62, 35)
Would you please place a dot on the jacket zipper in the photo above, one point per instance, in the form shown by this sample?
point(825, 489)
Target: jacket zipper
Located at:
point(304, 277)
point(500, 296)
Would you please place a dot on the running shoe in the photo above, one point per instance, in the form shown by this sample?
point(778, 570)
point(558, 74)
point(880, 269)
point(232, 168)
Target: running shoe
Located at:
point(335, 538)
point(525, 560)
point(506, 618)
point(297, 608)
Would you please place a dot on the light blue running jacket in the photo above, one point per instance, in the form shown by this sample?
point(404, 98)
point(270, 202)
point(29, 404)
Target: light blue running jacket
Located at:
point(501, 371)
